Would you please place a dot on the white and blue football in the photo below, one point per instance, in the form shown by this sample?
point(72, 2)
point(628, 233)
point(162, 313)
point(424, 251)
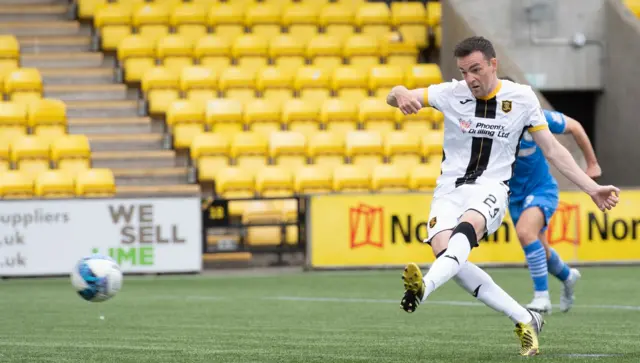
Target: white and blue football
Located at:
point(97, 278)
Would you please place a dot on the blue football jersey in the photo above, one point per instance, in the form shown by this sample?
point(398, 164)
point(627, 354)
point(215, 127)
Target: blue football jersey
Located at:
point(531, 169)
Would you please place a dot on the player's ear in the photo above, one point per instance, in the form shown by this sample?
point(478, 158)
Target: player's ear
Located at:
point(494, 64)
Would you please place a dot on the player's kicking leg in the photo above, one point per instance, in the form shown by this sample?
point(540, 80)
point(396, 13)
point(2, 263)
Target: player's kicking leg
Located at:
point(568, 276)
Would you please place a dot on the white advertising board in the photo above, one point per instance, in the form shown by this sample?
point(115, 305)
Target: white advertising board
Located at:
point(48, 237)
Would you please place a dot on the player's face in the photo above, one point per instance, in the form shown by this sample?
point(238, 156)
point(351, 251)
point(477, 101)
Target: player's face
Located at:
point(478, 72)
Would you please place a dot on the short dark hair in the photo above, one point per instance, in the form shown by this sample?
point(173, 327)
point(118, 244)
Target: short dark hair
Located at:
point(475, 44)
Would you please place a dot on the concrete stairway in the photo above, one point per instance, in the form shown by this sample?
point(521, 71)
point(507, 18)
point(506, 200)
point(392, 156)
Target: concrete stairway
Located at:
point(106, 111)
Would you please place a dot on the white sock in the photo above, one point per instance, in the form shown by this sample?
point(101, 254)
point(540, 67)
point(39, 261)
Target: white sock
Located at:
point(447, 265)
point(541, 294)
point(479, 284)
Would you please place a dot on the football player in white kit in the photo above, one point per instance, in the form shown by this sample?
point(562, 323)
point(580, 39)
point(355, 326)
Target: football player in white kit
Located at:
point(484, 120)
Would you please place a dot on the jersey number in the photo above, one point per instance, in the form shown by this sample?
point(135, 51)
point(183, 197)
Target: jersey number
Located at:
point(491, 202)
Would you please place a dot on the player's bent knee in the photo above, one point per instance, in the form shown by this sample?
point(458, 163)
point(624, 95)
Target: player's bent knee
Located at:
point(526, 234)
point(469, 231)
point(477, 220)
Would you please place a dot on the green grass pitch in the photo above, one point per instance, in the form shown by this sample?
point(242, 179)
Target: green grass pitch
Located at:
point(309, 317)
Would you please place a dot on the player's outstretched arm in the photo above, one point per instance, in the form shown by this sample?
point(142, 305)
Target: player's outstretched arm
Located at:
point(605, 197)
point(408, 101)
point(577, 131)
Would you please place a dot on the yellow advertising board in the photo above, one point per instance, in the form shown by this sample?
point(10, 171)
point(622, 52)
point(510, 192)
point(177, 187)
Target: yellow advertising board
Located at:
point(359, 230)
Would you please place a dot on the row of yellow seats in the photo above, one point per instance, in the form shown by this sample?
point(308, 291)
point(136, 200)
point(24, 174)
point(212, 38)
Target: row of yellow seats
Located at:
point(88, 183)
point(43, 117)
point(9, 54)
point(291, 150)
point(162, 85)
point(186, 119)
point(136, 54)
point(116, 21)
point(22, 85)
point(33, 154)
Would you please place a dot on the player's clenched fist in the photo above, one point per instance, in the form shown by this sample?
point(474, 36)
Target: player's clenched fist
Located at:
point(404, 99)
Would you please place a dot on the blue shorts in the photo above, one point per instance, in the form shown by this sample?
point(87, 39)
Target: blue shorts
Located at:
point(543, 197)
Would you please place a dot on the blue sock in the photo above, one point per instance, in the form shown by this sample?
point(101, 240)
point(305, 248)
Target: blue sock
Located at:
point(557, 267)
point(537, 261)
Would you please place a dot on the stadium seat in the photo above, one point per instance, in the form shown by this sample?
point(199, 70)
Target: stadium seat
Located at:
point(71, 153)
point(325, 51)
point(262, 116)
point(113, 21)
point(352, 4)
point(339, 115)
point(301, 21)
point(410, 18)
point(403, 148)
point(199, 83)
point(175, 52)
point(432, 143)
point(376, 115)
point(423, 75)
point(338, 20)
point(288, 149)
point(316, 4)
point(399, 50)
point(185, 120)
point(275, 84)
point(287, 51)
point(274, 181)
point(251, 51)
point(235, 182)
point(438, 119)
point(312, 84)
point(213, 51)
point(238, 83)
point(373, 18)
point(362, 50)
point(390, 178)
point(5, 156)
point(633, 6)
point(54, 184)
point(418, 123)
point(210, 153)
point(249, 150)
point(364, 148)
point(326, 149)
point(434, 13)
point(351, 178)
point(15, 184)
point(383, 78)
point(13, 121)
point(312, 179)
point(9, 55)
point(423, 177)
point(350, 83)
point(189, 20)
point(151, 21)
point(30, 154)
point(226, 20)
point(136, 56)
point(263, 19)
point(225, 116)
point(160, 86)
point(263, 212)
point(47, 118)
point(87, 8)
point(23, 85)
point(95, 183)
point(301, 116)
point(206, 3)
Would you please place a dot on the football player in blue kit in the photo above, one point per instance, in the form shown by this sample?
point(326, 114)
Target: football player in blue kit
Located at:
point(533, 201)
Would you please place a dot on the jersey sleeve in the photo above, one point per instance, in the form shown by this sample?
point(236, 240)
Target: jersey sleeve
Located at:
point(535, 119)
point(435, 94)
point(556, 121)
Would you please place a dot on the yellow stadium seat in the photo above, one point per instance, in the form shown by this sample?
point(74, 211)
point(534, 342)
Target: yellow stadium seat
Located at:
point(418, 123)
point(113, 21)
point(288, 149)
point(213, 51)
point(316, 4)
point(264, 20)
point(403, 148)
point(312, 84)
point(5, 156)
point(374, 19)
point(262, 116)
point(350, 83)
point(383, 78)
point(238, 83)
point(280, 3)
point(249, 149)
point(326, 148)
point(432, 144)
point(423, 177)
point(30, 154)
point(9, 55)
point(15, 184)
point(633, 6)
point(235, 182)
point(287, 51)
point(376, 115)
point(48, 118)
point(313, 179)
point(438, 119)
point(325, 51)
point(189, 20)
point(136, 55)
point(390, 178)
point(351, 178)
point(301, 21)
point(275, 84)
point(225, 116)
point(175, 52)
point(339, 115)
point(160, 87)
point(274, 181)
point(437, 33)
point(434, 13)
point(364, 148)
point(87, 8)
point(23, 85)
point(301, 116)
point(199, 83)
point(206, 3)
point(423, 75)
point(71, 153)
point(362, 50)
point(54, 184)
point(185, 120)
point(399, 50)
point(210, 153)
point(410, 18)
point(251, 51)
point(95, 183)
point(151, 21)
point(13, 120)
point(227, 20)
point(257, 212)
point(338, 20)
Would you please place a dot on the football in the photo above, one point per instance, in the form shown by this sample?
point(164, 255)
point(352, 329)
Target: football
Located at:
point(97, 278)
